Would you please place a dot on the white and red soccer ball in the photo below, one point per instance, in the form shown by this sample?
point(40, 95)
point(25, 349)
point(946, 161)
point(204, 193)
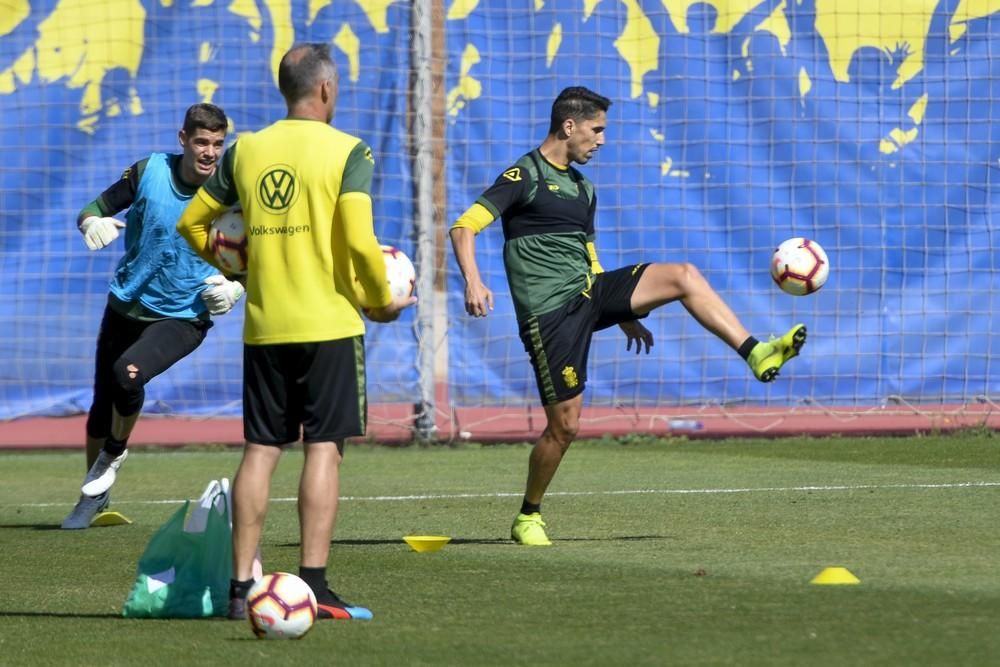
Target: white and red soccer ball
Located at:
point(800, 266)
point(227, 240)
point(281, 606)
point(399, 273)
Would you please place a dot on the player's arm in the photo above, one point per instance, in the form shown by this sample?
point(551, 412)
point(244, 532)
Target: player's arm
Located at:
point(354, 210)
point(215, 196)
point(96, 221)
point(478, 297)
point(510, 187)
point(595, 265)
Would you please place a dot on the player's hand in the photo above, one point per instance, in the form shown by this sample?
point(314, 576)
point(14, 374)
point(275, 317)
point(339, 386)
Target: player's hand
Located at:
point(221, 295)
point(100, 232)
point(478, 299)
point(638, 334)
point(391, 311)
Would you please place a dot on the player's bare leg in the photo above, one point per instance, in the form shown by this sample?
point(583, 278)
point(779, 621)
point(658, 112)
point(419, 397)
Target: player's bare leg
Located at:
point(319, 492)
point(251, 491)
point(662, 283)
point(563, 422)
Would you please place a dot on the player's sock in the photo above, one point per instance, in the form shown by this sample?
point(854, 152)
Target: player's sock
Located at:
point(238, 598)
point(238, 588)
point(530, 508)
point(747, 347)
point(115, 447)
point(315, 577)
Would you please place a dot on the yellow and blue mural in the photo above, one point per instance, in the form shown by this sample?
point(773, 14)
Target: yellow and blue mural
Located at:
point(736, 123)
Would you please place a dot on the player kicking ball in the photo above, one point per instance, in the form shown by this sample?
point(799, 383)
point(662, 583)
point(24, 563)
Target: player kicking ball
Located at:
point(562, 295)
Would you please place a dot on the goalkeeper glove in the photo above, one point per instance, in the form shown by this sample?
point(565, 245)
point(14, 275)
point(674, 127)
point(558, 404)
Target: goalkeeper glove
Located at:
point(100, 232)
point(221, 295)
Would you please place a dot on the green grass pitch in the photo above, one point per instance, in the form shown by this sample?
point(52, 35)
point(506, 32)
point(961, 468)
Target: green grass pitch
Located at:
point(666, 552)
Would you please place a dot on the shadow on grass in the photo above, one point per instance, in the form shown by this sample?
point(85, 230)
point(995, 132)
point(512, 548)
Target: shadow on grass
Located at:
point(500, 541)
point(53, 614)
point(32, 526)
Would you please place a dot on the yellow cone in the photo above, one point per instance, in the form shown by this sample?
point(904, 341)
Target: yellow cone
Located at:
point(834, 576)
point(109, 519)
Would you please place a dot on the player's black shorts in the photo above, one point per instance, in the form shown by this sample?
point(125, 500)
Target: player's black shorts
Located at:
point(316, 390)
point(558, 342)
point(152, 346)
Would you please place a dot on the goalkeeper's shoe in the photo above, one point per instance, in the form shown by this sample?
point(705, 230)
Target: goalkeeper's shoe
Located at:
point(85, 511)
point(766, 359)
point(329, 605)
point(102, 474)
point(529, 529)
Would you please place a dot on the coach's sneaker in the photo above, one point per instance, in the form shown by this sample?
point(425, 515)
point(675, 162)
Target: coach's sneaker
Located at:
point(529, 529)
point(329, 605)
point(85, 511)
point(101, 476)
point(237, 609)
point(766, 359)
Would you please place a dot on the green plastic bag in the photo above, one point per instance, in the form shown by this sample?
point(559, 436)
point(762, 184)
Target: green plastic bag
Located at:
point(184, 574)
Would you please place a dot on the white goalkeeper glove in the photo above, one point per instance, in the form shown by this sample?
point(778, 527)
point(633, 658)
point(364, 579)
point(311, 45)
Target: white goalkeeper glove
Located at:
point(221, 295)
point(100, 232)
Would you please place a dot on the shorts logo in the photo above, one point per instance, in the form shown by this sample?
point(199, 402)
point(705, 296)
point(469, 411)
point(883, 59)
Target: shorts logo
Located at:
point(569, 377)
point(513, 174)
point(277, 188)
point(369, 156)
point(553, 187)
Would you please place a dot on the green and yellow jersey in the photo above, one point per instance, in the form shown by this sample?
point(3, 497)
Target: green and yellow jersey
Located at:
point(548, 226)
point(304, 189)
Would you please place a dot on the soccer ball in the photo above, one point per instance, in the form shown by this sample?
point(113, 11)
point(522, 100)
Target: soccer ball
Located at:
point(799, 266)
point(399, 272)
point(228, 242)
point(281, 606)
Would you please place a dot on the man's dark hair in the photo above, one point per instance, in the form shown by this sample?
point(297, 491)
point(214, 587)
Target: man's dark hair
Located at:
point(578, 103)
point(205, 116)
point(302, 67)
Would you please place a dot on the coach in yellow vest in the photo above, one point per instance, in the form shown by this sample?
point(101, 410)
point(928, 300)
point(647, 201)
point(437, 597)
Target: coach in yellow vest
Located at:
point(304, 188)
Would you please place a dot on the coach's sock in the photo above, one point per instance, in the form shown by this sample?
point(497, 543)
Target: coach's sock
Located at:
point(316, 578)
point(114, 448)
point(239, 589)
point(747, 347)
point(531, 508)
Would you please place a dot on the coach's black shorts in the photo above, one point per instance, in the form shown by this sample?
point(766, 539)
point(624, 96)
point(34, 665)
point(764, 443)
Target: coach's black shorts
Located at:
point(558, 342)
point(316, 388)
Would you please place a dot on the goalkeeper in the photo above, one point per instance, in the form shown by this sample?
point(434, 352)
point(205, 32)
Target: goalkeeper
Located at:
point(562, 295)
point(161, 294)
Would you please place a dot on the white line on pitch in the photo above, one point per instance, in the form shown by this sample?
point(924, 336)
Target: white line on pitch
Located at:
point(620, 492)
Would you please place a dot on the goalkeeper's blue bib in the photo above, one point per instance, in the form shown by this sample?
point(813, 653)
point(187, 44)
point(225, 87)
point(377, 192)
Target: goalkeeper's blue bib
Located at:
point(159, 269)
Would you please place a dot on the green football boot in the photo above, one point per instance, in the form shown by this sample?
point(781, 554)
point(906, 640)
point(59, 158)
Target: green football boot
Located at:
point(766, 359)
point(529, 529)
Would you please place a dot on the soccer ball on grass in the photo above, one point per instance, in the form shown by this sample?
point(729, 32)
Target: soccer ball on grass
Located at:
point(799, 266)
point(281, 606)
